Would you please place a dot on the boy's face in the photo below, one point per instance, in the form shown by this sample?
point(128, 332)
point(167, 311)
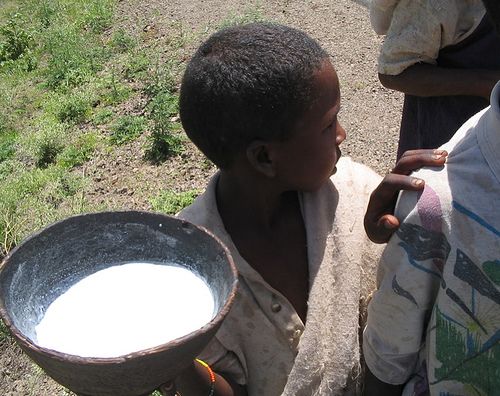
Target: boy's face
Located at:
point(308, 159)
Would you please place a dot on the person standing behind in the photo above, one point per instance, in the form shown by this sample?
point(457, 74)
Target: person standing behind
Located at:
point(444, 55)
point(434, 323)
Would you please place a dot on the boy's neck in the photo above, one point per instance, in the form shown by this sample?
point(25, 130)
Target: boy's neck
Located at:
point(267, 228)
point(253, 200)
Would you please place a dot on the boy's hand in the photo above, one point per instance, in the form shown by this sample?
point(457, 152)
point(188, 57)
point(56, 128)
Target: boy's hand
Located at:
point(380, 222)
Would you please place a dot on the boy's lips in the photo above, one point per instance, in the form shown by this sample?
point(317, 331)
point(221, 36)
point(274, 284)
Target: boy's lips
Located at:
point(339, 154)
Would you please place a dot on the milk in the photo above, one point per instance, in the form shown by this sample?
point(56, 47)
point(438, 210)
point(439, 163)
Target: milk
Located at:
point(126, 308)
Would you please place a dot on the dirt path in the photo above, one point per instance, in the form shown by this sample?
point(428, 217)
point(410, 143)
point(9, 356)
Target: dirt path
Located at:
point(370, 114)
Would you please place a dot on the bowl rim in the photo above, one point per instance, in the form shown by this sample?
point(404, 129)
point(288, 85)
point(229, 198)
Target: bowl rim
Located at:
point(215, 322)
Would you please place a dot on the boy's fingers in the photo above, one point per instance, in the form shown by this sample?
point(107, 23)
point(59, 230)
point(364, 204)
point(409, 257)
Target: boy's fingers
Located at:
point(415, 159)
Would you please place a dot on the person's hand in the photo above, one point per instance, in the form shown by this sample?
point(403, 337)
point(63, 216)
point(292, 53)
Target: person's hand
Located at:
point(380, 222)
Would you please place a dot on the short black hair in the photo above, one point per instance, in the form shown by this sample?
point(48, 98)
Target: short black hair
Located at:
point(247, 82)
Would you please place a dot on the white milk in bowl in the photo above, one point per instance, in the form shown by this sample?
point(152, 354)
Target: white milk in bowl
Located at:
point(126, 308)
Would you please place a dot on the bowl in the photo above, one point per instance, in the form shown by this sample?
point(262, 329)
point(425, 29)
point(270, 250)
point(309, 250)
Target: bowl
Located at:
point(49, 262)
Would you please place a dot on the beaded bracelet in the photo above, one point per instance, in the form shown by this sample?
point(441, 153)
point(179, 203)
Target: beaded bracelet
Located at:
point(211, 374)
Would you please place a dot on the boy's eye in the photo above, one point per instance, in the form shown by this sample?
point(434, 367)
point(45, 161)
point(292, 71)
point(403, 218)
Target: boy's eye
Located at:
point(330, 126)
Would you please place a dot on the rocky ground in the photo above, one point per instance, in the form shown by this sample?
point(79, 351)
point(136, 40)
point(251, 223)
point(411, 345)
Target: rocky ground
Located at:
point(370, 114)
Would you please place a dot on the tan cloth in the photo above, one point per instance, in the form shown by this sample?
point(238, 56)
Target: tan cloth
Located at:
point(263, 343)
point(381, 14)
point(420, 28)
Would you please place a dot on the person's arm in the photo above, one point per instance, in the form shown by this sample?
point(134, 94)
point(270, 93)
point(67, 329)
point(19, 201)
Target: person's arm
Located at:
point(374, 387)
point(399, 311)
point(380, 222)
point(198, 380)
point(423, 79)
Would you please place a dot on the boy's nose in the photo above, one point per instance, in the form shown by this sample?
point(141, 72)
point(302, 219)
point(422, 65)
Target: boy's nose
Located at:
point(341, 135)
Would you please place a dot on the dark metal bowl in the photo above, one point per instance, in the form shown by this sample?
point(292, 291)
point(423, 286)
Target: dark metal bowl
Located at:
point(49, 262)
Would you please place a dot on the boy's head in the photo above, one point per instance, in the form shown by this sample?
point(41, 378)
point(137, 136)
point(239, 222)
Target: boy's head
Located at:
point(245, 83)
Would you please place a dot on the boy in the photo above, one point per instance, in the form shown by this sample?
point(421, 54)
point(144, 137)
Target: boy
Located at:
point(262, 101)
point(434, 324)
point(444, 56)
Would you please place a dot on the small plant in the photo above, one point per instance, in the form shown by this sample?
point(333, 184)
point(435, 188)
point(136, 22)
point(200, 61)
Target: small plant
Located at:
point(79, 152)
point(47, 153)
point(16, 40)
point(122, 42)
point(161, 79)
point(137, 67)
point(163, 109)
point(113, 91)
point(42, 145)
point(47, 12)
point(97, 15)
point(165, 139)
point(73, 57)
point(170, 202)
point(127, 128)
point(102, 116)
point(75, 107)
point(48, 143)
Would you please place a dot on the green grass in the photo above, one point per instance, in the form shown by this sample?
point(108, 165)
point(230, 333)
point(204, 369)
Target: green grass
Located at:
point(51, 54)
point(41, 145)
point(7, 144)
point(136, 67)
point(127, 128)
point(102, 116)
point(121, 41)
point(74, 107)
point(79, 152)
point(250, 14)
point(170, 202)
point(64, 87)
point(16, 40)
point(32, 200)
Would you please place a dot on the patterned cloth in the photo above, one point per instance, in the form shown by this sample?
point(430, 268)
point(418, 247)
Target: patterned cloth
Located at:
point(435, 320)
point(262, 342)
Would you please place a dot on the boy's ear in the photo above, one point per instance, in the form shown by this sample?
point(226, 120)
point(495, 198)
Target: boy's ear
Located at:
point(259, 155)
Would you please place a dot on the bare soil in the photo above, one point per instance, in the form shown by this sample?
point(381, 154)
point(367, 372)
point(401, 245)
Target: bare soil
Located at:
point(124, 179)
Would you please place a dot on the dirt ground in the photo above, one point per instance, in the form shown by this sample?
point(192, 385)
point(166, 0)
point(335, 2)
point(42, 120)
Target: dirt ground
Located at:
point(370, 114)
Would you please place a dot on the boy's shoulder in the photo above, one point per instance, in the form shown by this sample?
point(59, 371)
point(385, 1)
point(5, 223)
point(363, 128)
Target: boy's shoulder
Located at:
point(355, 174)
point(203, 211)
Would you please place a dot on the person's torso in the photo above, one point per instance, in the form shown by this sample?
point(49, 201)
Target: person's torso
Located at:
point(462, 350)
